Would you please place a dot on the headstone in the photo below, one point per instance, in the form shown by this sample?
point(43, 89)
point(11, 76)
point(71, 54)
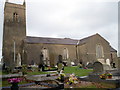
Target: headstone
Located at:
point(18, 59)
point(101, 60)
point(72, 63)
point(118, 63)
point(69, 62)
point(108, 61)
point(32, 62)
point(3, 66)
point(87, 63)
point(41, 65)
point(90, 65)
point(114, 65)
point(41, 59)
point(97, 67)
point(60, 59)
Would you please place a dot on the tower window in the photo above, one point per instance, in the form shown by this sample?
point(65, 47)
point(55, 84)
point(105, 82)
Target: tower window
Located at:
point(15, 16)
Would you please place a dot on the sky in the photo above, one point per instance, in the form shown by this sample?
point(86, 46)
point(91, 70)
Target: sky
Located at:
point(74, 19)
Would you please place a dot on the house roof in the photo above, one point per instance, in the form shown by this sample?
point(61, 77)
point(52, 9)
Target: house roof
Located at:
point(45, 40)
point(82, 41)
point(64, 41)
point(112, 49)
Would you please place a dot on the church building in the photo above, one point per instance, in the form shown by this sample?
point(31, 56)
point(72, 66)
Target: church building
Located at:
point(20, 49)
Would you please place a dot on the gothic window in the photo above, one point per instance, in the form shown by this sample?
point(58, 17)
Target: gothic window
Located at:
point(45, 56)
point(15, 16)
point(99, 51)
point(65, 54)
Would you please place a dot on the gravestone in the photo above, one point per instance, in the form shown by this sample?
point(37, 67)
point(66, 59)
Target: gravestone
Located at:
point(101, 60)
point(3, 66)
point(118, 63)
point(72, 64)
point(41, 64)
point(97, 67)
point(32, 62)
point(90, 65)
point(69, 62)
point(108, 61)
point(18, 59)
point(60, 59)
point(60, 64)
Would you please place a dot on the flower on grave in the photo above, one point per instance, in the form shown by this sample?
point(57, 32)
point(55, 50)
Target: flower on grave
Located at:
point(14, 80)
point(72, 79)
point(109, 74)
point(49, 67)
point(61, 75)
point(103, 76)
point(85, 68)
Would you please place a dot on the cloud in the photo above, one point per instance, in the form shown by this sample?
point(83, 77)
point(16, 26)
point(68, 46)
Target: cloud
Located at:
point(74, 19)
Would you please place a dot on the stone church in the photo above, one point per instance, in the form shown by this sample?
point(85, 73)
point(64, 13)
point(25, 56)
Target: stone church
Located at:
point(20, 49)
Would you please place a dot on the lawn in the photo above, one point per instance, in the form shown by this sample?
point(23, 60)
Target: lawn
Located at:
point(77, 71)
point(6, 83)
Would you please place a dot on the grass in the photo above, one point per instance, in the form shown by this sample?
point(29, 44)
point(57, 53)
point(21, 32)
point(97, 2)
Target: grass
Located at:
point(77, 71)
point(3, 73)
point(5, 83)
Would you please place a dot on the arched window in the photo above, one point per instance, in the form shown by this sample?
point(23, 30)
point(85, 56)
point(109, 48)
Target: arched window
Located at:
point(45, 56)
point(15, 16)
point(99, 51)
point(65, 54)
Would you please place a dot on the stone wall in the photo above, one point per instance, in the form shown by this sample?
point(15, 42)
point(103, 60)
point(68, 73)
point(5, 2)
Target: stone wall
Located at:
point(54, 50)
point(14, 31)
point(87, 51)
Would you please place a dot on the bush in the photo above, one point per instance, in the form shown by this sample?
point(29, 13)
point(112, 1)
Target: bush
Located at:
point(7, 70)
point(24, 69)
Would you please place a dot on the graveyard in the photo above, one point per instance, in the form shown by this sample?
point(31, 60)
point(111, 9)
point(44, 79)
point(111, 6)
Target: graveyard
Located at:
point(30, 62)
point(99, 75)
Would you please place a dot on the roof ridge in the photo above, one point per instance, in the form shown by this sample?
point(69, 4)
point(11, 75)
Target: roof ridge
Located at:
point(50, 37)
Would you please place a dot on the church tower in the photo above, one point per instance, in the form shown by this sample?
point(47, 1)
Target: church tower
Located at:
point(14, 31)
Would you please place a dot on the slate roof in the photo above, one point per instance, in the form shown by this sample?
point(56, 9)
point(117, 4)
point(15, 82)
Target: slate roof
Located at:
point(112, 49)
point(84, 40)
point(64, 41)
point(45, 40)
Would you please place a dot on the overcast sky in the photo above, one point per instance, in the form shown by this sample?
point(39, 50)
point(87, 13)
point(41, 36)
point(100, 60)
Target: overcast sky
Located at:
point(74, 19)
